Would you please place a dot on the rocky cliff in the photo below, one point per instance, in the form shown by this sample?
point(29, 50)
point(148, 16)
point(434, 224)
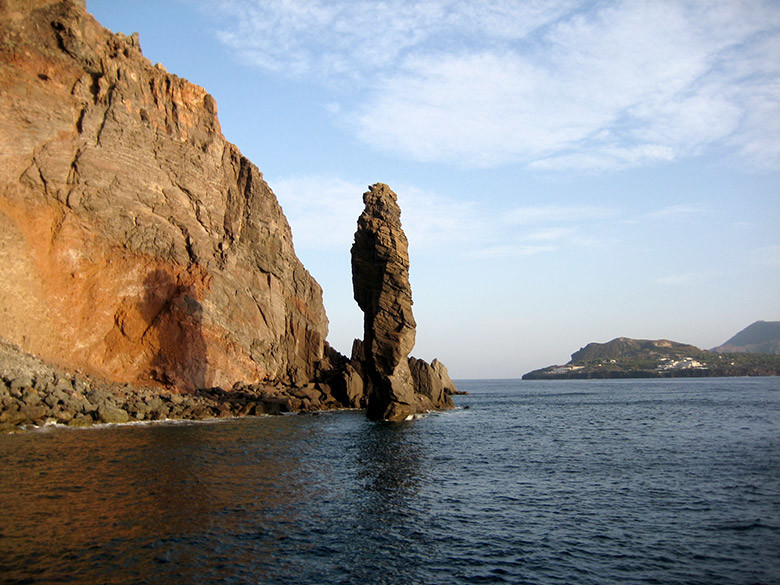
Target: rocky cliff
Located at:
point(136, 243)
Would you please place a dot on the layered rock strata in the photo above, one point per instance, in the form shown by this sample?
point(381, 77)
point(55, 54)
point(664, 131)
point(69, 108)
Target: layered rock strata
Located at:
point(136, 243)
point(395, 386)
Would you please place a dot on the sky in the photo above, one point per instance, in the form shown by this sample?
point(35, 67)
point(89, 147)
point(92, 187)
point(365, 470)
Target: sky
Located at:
point(567, 171)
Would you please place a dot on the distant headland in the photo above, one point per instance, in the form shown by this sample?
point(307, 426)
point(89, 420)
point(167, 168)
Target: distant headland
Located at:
point(754, 351)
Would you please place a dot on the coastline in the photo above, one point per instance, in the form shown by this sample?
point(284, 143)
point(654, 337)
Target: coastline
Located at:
point(34, 394)
point(603, 374)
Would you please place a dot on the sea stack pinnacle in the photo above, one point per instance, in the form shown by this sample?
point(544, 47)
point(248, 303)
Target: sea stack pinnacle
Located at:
point(380, 278)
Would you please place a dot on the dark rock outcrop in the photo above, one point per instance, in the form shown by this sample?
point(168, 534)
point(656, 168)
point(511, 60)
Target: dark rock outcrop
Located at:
point(380, 279)
point(444, 376)
point(396, 387)
point(136, 243)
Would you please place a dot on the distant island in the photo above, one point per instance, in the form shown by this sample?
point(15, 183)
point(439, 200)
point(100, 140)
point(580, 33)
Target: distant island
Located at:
point(754, 351)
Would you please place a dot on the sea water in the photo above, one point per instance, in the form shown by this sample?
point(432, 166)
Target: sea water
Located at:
point(633, 481)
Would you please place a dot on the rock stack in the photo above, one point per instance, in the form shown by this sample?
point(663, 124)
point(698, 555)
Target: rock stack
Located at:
point(395, 385)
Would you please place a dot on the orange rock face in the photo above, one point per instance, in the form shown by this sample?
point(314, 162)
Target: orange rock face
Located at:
point(135, 241)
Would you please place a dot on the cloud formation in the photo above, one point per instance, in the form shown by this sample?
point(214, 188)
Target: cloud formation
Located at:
point(680, 212)
point(323, 213)
point(553, 85)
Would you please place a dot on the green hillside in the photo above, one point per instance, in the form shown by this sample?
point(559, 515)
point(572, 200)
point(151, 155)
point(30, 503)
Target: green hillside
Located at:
point(640, 358)
point(760, 337)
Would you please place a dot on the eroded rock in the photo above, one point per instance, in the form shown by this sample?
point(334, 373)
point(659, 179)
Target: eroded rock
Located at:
point(136, 243)
point(395, 386)
point(380, 279)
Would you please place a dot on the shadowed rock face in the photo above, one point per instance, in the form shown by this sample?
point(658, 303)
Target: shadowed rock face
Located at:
point(136, 243)
point(380, 278)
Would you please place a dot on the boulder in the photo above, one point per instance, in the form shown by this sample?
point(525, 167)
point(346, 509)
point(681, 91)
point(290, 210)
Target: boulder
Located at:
point(19, 384)
point(429, 383)
point(13, 415)
point(81, 420)
point(444, 376)
point(109, 413)
point(34, 413)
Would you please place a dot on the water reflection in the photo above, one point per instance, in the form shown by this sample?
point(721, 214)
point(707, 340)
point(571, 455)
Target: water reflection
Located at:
point(121, 505)
point(487, 495)
point(384, 539)
point(389, 469)
point(273, 500)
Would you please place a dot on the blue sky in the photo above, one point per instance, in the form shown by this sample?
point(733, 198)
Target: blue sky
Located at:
point(567, 171)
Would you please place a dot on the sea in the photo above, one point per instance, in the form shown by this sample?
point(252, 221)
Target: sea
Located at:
point(538, 482)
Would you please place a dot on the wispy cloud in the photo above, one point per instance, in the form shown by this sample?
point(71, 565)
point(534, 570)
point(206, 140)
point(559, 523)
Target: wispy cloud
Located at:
point(549, 235)
point(766, 256)
point(678, 212)
point(557, 213)
point(683, 279)
point(323, 212)
point(553, 85)
point(511, 251)
point(357, 39)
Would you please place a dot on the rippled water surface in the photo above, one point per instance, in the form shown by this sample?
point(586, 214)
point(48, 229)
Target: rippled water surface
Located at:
point(535, 482)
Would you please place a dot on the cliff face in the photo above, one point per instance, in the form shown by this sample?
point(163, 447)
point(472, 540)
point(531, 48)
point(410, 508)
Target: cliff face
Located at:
point(136, 243)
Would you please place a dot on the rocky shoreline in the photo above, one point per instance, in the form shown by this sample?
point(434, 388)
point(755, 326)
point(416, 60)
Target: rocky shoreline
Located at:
point(34, 394)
